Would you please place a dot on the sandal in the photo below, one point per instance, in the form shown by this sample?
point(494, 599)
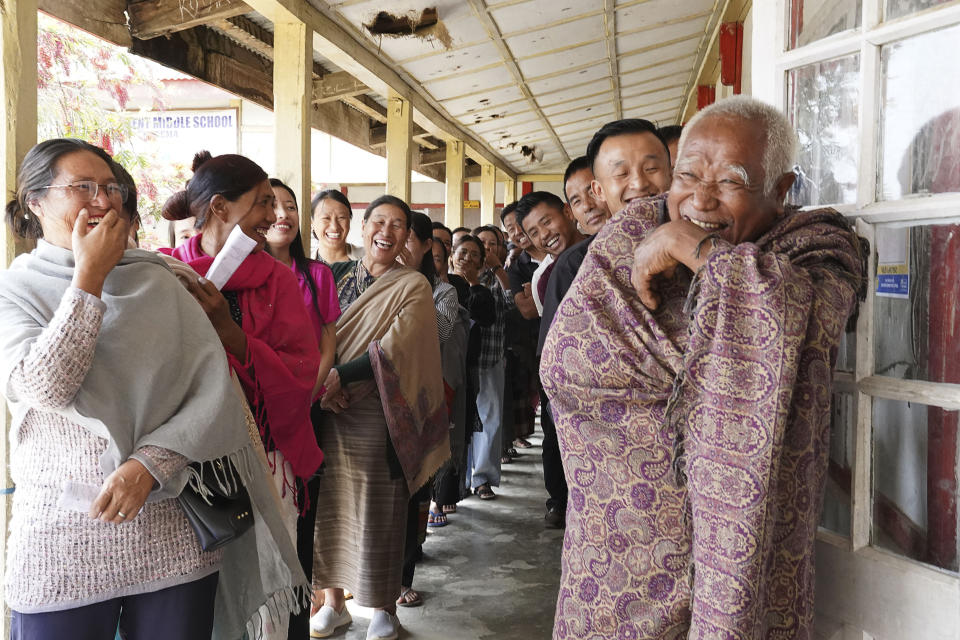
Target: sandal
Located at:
point(449, 508)
point(522, 443)
point(484, 492)
point(505, 459)
point(409, 598)
point(436, 519)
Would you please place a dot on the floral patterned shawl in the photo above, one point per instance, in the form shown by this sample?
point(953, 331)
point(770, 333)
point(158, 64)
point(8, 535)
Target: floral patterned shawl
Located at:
point(695, 440)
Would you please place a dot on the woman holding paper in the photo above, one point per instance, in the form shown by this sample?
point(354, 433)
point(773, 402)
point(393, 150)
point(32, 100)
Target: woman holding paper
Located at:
point(105, 423)
point(258, 313)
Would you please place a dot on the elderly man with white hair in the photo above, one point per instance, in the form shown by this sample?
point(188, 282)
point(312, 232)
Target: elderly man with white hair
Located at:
point(689, 372)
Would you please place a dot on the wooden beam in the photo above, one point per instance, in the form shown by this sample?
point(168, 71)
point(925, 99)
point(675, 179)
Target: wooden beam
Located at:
point(433, 157)
point(509, 191)
point(488, 193)
point(18, 39)
point(247, 33)
point(453, 204)
point(610, 27)
point(351, 51)
point(292, 92)
point(423, 142)
point(378, 136)
point(104, 18)
point(152, 18)
point(399, 146)
point(372, 109)
point(335, 86)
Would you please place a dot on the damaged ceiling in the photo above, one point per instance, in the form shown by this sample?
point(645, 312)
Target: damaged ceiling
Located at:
point(531, 80)
point(535, 78)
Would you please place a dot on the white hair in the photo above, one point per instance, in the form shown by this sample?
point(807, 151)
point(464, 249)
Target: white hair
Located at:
point(780, 150)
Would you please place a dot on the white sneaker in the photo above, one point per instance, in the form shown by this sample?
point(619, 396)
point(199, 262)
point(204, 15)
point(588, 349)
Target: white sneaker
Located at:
point(326, 621)
point(383, 626)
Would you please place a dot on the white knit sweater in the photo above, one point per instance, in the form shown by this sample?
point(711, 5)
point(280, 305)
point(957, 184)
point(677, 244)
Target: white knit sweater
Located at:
point(59, 558)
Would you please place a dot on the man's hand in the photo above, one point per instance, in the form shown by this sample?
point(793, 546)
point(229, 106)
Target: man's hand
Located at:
point(669, 245)
point(525, 304)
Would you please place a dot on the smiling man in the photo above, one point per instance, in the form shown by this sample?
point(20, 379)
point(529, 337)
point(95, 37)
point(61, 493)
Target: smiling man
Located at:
point(629, 161)
point(589, 211)
point(694, 403)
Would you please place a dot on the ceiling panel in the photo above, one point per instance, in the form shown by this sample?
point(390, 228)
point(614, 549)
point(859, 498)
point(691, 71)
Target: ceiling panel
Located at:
point(493, 113)
point(650, 58)
point(445, 63)
point(674, 81)
point(587, 124)
point(468, 83)
point(564, 59)
point(654, 12)
point(679, 68)
point(653, 37)
point(555, 38)
point(606, 109)
point(573, 105)
point(495, 124)
point(652, 98)
point(558, 82)
point(583, 87)
point(532, 14)
point(482, 100)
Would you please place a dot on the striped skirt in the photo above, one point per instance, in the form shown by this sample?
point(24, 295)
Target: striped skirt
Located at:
point(361, 511)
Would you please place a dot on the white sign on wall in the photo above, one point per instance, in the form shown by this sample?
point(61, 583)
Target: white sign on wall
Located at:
point(178, 134)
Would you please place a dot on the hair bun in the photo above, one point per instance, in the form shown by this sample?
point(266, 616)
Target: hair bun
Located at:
point(177, 207)
point(200, 158)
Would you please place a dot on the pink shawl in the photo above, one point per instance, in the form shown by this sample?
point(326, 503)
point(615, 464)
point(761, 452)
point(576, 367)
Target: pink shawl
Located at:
point(282, 358)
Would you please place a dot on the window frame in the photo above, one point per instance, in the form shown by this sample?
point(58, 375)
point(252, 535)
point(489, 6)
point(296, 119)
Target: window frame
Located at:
point(772, 62)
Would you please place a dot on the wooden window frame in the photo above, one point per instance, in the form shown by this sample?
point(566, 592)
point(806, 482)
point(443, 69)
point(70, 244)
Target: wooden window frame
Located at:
point(771, 64)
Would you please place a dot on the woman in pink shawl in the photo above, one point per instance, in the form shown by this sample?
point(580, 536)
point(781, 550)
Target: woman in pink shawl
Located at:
point(259, 316)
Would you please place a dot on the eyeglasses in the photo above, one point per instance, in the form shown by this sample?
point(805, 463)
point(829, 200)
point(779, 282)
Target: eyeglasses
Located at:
point(87, 190)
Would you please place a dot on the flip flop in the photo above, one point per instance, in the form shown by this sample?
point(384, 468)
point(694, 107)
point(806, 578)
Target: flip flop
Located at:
point(522, 443)
point(409, 598)
point(435, 519)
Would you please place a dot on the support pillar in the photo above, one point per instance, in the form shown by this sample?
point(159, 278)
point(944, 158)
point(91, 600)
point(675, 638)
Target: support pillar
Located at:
point(509, 191)
point(18, 109)
point(488, 193)
point(453, 205)
point(292, 98)
point(399, 145)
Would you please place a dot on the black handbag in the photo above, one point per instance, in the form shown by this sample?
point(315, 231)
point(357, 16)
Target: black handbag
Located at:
point(224, 513)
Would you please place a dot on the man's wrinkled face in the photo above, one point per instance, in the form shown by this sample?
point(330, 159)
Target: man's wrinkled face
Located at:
point(630, 166)
point(719, 181)
point(590, 211)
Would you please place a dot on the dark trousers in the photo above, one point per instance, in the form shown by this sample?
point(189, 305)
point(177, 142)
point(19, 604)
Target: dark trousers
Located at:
point(184, 612)
point(412, 550)
point(553, 478)
point(306, 523)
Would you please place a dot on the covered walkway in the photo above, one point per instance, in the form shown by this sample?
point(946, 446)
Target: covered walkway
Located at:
point(492, 572)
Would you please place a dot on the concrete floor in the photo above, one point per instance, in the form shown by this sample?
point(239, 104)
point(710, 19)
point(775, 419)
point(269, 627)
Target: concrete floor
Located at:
point(491, 573)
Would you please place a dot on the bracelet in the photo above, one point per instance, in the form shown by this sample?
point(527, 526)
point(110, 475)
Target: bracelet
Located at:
point(713, 238)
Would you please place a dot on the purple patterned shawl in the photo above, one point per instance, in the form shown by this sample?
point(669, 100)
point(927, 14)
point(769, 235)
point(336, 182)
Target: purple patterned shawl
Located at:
point(699, 523)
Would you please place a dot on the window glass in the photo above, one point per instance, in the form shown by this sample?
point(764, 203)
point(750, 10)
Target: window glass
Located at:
point(822, 100)
point(920, 116)
point(847, 352)
point(896, 8)
point(915, 311)
point(836, 499)
point(915, 481)
point(811, 20)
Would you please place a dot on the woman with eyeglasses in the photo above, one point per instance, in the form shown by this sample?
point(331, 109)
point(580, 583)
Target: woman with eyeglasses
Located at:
point(116, 381)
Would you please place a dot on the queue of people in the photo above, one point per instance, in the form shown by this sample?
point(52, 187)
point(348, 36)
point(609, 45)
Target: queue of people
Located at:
point(670, 319)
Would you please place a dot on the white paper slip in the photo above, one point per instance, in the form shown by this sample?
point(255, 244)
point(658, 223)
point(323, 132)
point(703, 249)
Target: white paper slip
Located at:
point(237, 248)
point(77, 496)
